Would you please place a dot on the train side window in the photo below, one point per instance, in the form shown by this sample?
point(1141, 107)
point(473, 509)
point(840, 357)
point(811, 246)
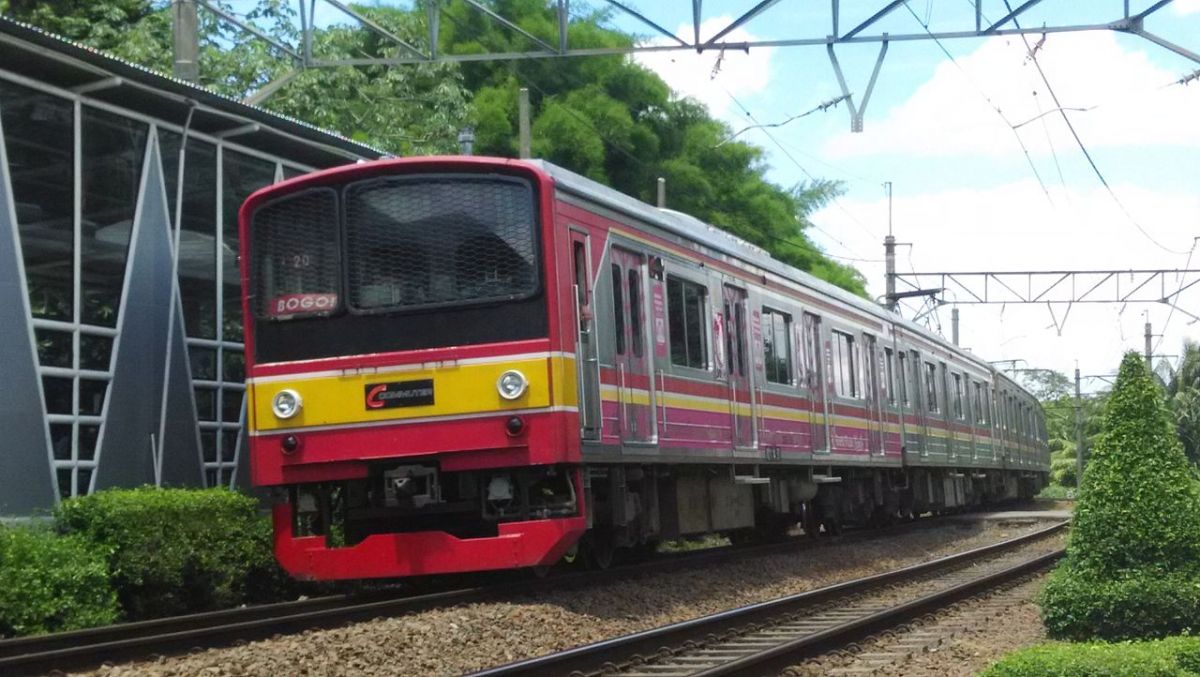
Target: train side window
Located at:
point(618, 308)
point(581, 282)
point(635, 311)
point(889, 376)
point(902, 381)
point(777, 346)
point(979, 416)
point(931, 398)
point(958, 396)
point(985, 415)
point(845, 364)
point(686, 302)
point(739, 317)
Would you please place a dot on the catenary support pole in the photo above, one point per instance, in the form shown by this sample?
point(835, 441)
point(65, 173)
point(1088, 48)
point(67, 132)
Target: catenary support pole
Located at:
point(1078, 433)
point(186, 32)
point(662, 192)
point(1149, 350)
point(523, 122)
point(954, 325)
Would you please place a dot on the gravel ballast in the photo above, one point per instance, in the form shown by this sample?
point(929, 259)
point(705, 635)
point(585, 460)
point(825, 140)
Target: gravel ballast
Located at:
point(475, 636)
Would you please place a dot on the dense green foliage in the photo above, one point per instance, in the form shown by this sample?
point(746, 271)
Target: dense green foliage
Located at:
point(1133, 561)
point(1183, 397)
point(50, 583)
point(173, 551)
point(1174, 657)
point(604, 117)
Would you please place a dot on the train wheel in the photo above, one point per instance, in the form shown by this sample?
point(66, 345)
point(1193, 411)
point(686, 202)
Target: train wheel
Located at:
point(599, 549)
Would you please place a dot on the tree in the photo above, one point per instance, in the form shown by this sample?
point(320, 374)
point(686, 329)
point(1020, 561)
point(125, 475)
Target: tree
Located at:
point(1183, 396)
point(1133, 561)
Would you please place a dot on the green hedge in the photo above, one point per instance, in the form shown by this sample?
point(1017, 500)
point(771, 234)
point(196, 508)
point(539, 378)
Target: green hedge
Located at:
point(50, 583)
point(175, 551)
point(1137, 605)
point(1173, 657)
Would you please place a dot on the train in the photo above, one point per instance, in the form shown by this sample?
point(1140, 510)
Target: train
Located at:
point(460, 364)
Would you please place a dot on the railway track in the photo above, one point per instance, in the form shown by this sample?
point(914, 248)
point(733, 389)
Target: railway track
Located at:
point(129, 641)
point(766, 637)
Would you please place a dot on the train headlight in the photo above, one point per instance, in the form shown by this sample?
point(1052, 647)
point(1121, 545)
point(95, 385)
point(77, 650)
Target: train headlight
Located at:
point(512, 384)
point(286, 403)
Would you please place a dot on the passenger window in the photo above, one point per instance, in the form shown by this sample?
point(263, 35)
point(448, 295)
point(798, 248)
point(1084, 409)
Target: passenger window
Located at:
point(958, 396)
point(931, 398)
point(777, 345)
point(685, 319)
point(845, 364)
point(903, 380)
point(618, 308)
point(635, 311)
point(889, 375)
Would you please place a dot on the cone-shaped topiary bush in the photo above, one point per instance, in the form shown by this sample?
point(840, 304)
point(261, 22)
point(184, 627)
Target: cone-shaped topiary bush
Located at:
point(1133, 562)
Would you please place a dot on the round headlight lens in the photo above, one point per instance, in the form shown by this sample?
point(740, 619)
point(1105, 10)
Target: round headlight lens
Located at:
point(286, 403)
point(512, 384)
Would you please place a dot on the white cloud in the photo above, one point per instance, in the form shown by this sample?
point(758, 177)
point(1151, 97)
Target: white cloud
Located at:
point(1013, 227)
point(691, 74)
point(1186, 7)
point(948, 115)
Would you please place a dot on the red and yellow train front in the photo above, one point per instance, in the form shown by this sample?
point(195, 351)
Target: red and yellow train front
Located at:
point(409, 398)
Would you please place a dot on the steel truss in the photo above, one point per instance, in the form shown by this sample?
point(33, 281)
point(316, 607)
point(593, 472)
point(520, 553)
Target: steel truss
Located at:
point(559, 45)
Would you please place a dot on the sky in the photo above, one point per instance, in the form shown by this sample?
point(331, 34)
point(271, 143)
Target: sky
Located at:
point(970, 192)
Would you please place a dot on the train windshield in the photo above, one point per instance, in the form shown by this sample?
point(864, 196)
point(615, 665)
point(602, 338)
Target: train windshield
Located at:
point(445, 247)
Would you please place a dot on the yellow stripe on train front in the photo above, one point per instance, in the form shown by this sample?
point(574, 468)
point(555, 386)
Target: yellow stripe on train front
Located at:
point(458, 390)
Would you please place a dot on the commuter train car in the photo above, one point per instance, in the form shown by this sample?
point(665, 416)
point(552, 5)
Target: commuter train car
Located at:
point(462, 363)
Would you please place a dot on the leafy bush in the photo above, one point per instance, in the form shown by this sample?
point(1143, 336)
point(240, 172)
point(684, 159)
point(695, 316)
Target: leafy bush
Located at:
point(174, 551)
point(1133, 560)
point(1135, 606)
point(50, 583)
point(1174, 657)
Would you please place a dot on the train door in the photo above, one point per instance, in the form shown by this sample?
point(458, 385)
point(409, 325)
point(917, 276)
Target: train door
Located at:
point(873, 401)
point(814, 371)
point(587, 365)
point(635, 387)
point(739, 368)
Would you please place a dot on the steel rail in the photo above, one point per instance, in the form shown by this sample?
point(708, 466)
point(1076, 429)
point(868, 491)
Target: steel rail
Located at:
point(127, 641)
point(608, 655)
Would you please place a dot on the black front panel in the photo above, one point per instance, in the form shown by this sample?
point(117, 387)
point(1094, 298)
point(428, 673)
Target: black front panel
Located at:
point(307, 339)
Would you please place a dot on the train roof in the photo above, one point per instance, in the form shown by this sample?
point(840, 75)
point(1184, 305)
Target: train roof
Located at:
point(719, 240)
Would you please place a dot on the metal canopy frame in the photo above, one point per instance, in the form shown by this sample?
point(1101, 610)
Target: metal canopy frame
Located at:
point(559, 46)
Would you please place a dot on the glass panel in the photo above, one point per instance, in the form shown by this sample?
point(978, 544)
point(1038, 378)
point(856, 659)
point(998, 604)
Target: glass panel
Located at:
point(95, 352)
point(229, 440)
point(618, 299)
point(212, 478)
point(235, 365)
point(439, 241)
point(111, 164)
point(296, 256)
point(168, 150)
point(58, 391)
point(635, 311)
point(206, 404)
point(60, 441)
point(208, 445)
point(88, 434)
point(204, 363)
point(231, 405)
point(293, 172)
point(54, 348)
point(85, 481)
point(39, 135)
point(91, 396)
point(198, 239)
point(65, 482)
point(242, 175)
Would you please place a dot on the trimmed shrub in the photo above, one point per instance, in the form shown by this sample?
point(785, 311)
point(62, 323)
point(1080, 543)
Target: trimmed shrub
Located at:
point(1173, 657)
point(174, 551)
point(1133, 560)
point(1135, 606)
point(50, 583)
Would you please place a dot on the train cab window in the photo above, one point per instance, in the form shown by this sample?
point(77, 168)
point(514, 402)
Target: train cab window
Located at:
point(685, 320)
point(845, 361)
point(931, 378)
point(902, 382)
point(777, 346)
point(618, 308)
point(635, 311)
point(889, 375)
point(958, 396)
